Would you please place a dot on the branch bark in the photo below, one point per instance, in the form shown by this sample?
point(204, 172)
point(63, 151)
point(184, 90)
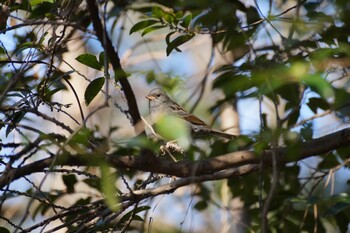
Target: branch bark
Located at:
point(115, 61)
point(189, 168)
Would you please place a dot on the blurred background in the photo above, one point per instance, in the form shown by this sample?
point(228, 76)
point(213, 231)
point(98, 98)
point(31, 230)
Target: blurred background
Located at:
point(262, 32)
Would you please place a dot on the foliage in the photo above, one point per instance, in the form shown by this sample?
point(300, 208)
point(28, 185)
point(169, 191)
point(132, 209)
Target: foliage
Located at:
point(295, 57)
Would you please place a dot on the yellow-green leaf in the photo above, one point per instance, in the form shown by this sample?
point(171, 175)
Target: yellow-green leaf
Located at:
point(173, 128)
point(108, 182)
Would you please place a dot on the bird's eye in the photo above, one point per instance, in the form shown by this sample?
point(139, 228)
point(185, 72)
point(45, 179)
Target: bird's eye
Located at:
point(158, 95)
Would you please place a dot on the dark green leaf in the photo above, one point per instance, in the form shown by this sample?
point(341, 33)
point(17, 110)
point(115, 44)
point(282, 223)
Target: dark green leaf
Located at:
point(120, 73)
point(316, 103)
point(2, 50)
point(343, 153)
point(52, 198)
point(93, 183)
point(293, 118)
point(143, 25)
point(101, 58)
point(4, 230)
point(93, 89)
point(167, 37)
point(81, 203)
point(338, 207)
point(232, 83)
point(49, 93)
point(252, 15)
point(69, 181)
point(177, 42)
point(41, 10)
point(291, 93)
point(201, 205)
point(330, 161)
point(307, 131)
point(14, 119)
point(134, 213)
point(28, 45)
point(342, 102)
point(89, 60)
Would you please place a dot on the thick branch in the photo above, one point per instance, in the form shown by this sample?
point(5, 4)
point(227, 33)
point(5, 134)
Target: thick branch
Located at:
point(172, 186)
point(115, 61)
point(189, 168)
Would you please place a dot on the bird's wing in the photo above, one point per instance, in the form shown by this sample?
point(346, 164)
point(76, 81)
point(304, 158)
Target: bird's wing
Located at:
point(187, 116)
point(194, 120)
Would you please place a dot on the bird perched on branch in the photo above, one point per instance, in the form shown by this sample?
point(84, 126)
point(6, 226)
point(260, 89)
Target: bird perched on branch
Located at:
point(161, 104)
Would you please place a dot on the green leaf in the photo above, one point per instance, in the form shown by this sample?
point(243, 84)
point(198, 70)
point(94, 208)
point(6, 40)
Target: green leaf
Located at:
point(15, 118)
point(143, 142)
point(315, 103)
point(167, 37)
point(143, 25)
point(28, 45)
point(89, 60)
point(179, 14)
point(307, 131)
point(291, 93)
point(93, 183)
point(201, 205)
point(81, 140)
point(93, 89)
point(342, 102)
point(169, 18)
point(329, 162)
point(338, 207)
point(101, 58)
point(36, 2)
point(186, 20)
point(4, 230)
point(173, 128)
point(108, 182)
point(120, 73)
point(81, 137)
point(231, 83)
point(177, 42)
point(320, 85)
point(69, 181)
point(2, 50)
point(40, 11)
point(153, 28)
point(157, 12)
point(293, 117)
point(133, 213)
point(80, 211)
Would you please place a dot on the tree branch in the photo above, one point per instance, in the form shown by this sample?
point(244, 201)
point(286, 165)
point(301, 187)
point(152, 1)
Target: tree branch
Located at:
point(189, 168)
point(115, 61)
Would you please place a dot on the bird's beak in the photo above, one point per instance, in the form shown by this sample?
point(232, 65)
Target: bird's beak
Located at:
point(149, 97)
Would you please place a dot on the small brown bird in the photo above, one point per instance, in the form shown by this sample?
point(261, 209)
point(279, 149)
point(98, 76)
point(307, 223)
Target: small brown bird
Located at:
point(161, 103)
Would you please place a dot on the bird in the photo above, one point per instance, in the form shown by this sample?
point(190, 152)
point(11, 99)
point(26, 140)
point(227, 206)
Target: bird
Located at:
point(161, 103)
